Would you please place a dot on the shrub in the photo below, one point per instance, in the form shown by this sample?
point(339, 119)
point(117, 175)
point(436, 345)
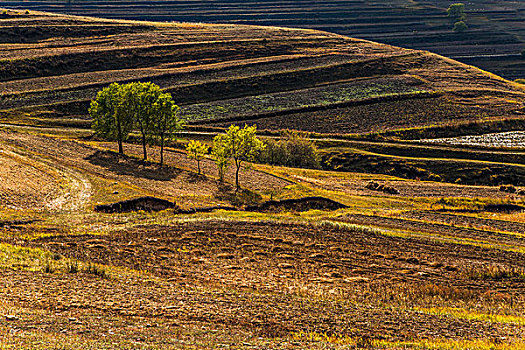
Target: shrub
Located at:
point(292, 149)
point(374, 186)
point(460, 27)
point(456, 11)
point(507, 188)
point(96, 270)
point(72, 266)
point(498, 273)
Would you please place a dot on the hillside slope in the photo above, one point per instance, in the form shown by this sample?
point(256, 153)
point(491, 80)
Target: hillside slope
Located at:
point(493, 41)
point(53, 65)
point(395, 244)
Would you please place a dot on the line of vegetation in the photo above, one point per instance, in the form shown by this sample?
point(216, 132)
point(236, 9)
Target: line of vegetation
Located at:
point(293, 149)
point(118, 109)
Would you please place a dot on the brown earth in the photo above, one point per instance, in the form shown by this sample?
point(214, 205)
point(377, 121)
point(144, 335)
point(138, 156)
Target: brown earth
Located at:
point(267, 279)
point(171, 182)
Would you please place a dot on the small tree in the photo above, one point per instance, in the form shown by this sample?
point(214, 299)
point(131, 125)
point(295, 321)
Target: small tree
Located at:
point(242, 145)
point(460, 27)
point(165, 123)
point(197, 150)
point(456, 11)
point(221, 155)
point(111, 120)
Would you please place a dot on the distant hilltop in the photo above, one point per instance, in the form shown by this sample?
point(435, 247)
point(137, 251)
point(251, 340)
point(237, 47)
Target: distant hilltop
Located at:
point(493, 39)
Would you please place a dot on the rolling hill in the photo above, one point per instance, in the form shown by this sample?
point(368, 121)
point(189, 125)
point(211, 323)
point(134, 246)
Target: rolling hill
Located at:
point(53, 65)
point(398, 242)
point(494, 40)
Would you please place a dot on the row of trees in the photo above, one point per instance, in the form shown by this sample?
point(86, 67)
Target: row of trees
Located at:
point(236, 146)
point(119, 109)
point(240, 145)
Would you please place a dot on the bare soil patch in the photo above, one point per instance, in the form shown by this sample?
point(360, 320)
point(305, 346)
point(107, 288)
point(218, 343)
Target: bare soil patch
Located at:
point(31, 183)
point(297, 205)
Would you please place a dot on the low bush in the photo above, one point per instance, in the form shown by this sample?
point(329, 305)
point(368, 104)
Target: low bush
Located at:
point(507, 188)
point(375, 186)
point(497, 273)
point(293, 149)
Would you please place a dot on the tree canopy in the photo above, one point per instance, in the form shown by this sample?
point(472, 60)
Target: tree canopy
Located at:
point(197, 150)
point(456, 11)
point(111, 119)
point(119, 109)
point(460, 27)
point(221, 154)
point(241, 145)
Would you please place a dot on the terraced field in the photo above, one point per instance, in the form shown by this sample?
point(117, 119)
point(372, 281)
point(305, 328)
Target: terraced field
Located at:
point(423, 268)
point(284, 78)
point(425, 250)
point(493, 42)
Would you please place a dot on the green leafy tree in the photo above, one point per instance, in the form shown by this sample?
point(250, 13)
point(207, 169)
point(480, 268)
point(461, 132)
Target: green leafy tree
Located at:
point(165, 123)
point(118, 109)
point(460, 27)
point(139, 99)
point(111, 120)
point(197, 150)
point(221, 155)
point(242, 146)
point(456, 11)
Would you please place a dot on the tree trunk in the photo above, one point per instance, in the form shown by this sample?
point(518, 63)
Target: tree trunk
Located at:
point(161, 151)
point(144, 151)
point(119, 136)
point(237, 186)
point(120, 147)
point(199, 166)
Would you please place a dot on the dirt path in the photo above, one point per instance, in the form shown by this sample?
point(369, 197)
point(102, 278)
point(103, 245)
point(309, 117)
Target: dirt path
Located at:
point(33, 182)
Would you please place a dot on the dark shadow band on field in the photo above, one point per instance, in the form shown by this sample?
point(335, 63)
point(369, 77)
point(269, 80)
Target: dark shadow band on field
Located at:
point(125, 165)
point(156, 204)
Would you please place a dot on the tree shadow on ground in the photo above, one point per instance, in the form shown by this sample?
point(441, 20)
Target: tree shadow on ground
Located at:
point(126, 165)
point(226, 192)
point(194, 178)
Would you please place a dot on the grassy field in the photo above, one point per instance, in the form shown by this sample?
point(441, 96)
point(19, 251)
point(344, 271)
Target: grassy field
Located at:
point(436, 264)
